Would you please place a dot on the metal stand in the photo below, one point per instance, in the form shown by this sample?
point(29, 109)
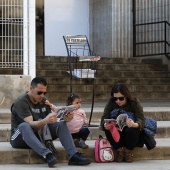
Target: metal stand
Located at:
point(82, 62)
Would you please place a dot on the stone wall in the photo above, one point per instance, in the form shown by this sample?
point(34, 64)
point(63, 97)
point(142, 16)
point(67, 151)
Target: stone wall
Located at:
point(11, 86)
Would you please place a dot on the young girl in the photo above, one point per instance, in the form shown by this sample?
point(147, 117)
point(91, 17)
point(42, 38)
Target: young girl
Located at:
point(78, 126)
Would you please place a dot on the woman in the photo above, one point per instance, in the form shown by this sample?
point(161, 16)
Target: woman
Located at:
point(129, 137)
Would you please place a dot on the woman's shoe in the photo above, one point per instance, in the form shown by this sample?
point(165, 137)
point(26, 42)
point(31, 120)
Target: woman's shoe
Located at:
point(120, 155)
point(128, 155)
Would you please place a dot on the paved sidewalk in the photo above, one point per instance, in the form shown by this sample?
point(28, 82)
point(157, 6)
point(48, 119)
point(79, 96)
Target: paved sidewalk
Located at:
point(138, 165)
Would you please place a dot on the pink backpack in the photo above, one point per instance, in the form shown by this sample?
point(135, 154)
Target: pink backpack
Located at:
point(103, 151)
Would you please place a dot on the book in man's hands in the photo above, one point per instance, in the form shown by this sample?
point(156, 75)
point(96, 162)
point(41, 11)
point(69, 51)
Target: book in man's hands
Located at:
point(63, 111)
point(119, 122)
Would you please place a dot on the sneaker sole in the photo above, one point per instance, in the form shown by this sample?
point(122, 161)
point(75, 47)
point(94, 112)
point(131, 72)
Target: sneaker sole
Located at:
point(52, 163)
point(85, 147)
point(82, 147)
point(79, 163)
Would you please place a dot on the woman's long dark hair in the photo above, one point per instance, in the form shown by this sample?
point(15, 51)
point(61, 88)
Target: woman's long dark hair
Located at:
point(123, 89)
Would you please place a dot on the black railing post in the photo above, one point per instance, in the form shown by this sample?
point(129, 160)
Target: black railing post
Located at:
point(69, 63)
point(165, 39)
point(134, 27)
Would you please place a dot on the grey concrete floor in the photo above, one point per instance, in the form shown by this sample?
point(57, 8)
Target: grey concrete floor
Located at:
point(138, 165)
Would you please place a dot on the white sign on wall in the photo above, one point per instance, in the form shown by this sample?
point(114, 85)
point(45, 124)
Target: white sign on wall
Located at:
point(64, 17)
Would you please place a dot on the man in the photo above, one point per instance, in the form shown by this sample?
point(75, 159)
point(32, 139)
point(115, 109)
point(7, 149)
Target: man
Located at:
point(29, 114)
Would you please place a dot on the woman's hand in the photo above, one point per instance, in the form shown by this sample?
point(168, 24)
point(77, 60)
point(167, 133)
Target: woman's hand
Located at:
point(108, 127)
point(131, 123)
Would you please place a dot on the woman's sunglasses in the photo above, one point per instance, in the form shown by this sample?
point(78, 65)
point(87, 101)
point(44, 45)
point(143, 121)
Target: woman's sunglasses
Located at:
point(120, 98)
point(41, 92)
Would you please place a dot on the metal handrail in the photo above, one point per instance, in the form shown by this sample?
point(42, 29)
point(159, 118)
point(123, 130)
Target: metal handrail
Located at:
point(153, 42)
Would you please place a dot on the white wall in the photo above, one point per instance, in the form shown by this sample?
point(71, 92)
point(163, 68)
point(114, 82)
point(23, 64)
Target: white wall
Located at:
point(64, 17)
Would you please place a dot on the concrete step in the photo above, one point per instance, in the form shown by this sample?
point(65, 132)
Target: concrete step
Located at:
point(52, 66)
point(101, 81)
point(134, 81)
point(108, 60)
point(145, 85)
point(159, 88)
point(104, 60)
point(146, 78)
point(52, 59)
point(5, 116)
point(158, 112)
point(102, 96)
point(163, 131)
point(40, 65)
point(152, 61)
point(106, 63)
point(128, 74)
point(131, 67)
point(109, 73)
point(9, 155)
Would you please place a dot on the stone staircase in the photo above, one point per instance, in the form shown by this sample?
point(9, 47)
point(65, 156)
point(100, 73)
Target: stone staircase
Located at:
point(148, 79)
point(157, 110)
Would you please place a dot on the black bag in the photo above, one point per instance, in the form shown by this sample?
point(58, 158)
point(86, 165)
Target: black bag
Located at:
point(140, 142)
point(148, 141)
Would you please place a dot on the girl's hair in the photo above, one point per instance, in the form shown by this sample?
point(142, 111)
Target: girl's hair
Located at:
point(71, 98)
point(123, 89)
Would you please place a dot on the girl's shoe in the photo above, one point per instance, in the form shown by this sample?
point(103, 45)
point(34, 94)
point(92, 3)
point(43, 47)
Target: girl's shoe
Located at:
point(82, 144)
point(76, 142)
point(79, 143)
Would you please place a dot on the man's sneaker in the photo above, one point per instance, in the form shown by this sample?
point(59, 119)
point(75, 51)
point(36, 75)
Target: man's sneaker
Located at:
point(77, 159)
point(51, 159)
point(82, 144)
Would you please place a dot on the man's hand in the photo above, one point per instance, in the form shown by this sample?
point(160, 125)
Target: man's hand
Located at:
point(50, 118)
point(69, 117)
